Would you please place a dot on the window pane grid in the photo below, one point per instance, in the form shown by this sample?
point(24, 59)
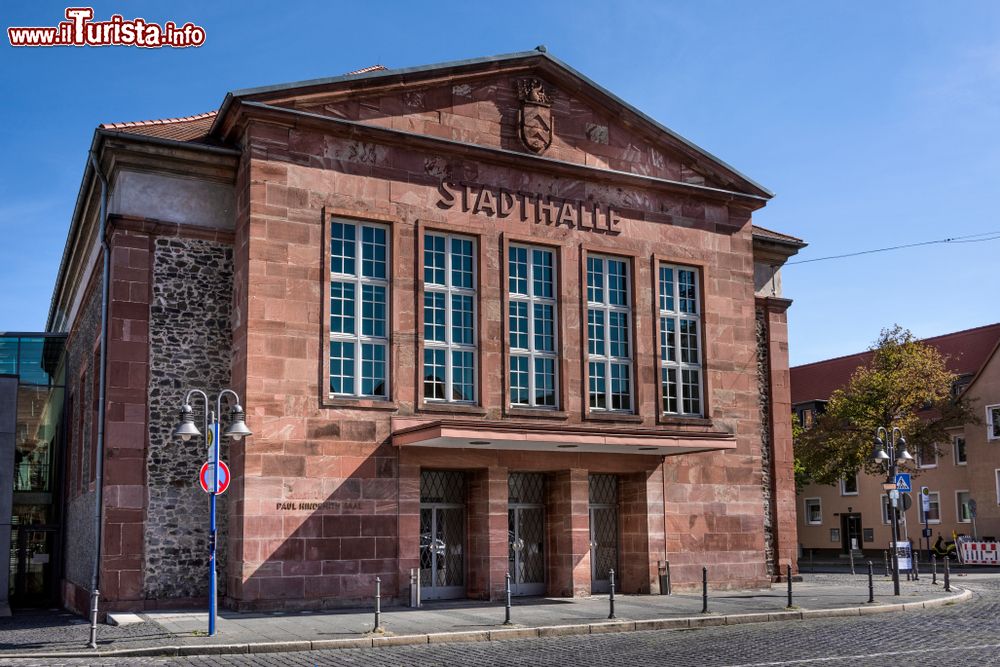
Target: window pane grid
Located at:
point(532, 326)
point(609, 334)
point(680, 341)
point(359, 286)
point(450, 331)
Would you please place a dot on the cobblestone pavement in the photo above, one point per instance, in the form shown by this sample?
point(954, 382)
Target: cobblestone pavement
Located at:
point(963, 634)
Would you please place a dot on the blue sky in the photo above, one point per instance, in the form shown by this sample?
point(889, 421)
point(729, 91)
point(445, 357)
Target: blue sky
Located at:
point(875, 123)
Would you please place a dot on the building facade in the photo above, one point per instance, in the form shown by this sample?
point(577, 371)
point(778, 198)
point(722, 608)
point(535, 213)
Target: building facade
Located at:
point(484, 317)
point(962, 475)
point(32, 374)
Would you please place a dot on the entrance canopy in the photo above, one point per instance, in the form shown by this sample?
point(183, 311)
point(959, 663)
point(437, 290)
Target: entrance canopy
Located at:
point(533, 437)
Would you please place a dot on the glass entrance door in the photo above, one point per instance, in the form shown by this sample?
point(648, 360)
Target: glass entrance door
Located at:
point(526, 533)
point(603, 531)
point(31, 567)
point(442, 535)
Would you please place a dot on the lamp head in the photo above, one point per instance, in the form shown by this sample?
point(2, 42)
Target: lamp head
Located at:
point(878, 453)
point(185, 429)
point(902, 456)
point(237, 429)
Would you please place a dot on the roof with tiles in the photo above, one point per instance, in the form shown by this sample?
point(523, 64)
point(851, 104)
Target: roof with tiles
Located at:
point(189, 129)
point(965, 353)
point(192, 129)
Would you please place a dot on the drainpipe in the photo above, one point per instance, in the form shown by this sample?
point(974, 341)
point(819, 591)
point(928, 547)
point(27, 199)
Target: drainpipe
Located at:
point(101, 403)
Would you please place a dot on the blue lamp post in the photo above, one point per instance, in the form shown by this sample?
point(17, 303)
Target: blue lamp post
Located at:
point(237, 430)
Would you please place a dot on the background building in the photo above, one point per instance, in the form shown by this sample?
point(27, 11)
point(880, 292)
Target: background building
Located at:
point(966, 468)
point(31, 458)
point(484, 317)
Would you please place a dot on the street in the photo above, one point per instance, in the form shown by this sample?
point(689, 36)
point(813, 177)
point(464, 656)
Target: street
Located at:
point(962, 634)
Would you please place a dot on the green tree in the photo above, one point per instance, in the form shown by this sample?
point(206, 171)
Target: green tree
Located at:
point(905, 384)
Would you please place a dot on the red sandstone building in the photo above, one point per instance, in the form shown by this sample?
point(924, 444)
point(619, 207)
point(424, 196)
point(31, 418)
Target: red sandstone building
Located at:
point(485, 317)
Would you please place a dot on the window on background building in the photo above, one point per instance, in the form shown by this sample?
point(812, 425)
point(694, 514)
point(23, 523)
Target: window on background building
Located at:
point(993, 422)
point(996, 473)
point(849, 486)
point(958, 444)
point(927, 456)
point(359, 307)
point(934, 513)
point(532, 313)
point(814, 511)
point(886, 510)
point(609, 334)
point(450, 335)
point(963, 511)
point(806, 418)
point(680, 341)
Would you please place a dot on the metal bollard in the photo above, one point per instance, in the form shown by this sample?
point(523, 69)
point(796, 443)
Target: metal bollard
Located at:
point(885, 561)
point(788, 575)
point(916, 566)
point(812, 564)
point(852, 562)
point(378, 604)
point(871, 583)
point(934, 569)
point(611, 598)
point(704, 590)
point(506, 611)
point(947, 575)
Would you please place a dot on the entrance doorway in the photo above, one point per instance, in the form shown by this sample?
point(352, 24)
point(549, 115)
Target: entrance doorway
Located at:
point(442, 534)
point(526, 533)
point(850, 531)
point(603, 531)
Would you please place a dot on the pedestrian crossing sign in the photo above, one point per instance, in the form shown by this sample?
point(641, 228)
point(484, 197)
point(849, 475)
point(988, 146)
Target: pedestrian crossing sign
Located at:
point(903, 482)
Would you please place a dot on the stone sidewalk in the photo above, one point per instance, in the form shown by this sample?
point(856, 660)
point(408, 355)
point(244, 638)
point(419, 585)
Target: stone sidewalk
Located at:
point(58, 634)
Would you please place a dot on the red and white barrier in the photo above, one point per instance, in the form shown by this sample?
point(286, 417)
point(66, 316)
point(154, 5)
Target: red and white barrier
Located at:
point(979, 553)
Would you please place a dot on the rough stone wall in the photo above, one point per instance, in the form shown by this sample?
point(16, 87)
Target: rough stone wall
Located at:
point(189, 347)
point(79, 520)
point(766, 446)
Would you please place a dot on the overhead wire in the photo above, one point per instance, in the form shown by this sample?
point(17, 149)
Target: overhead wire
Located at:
point(970, 238)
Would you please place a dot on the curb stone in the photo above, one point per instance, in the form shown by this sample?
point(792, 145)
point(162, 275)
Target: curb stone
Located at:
point(500, 634)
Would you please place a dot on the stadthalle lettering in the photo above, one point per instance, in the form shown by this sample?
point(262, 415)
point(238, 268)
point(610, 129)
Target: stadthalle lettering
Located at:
point(496, 202)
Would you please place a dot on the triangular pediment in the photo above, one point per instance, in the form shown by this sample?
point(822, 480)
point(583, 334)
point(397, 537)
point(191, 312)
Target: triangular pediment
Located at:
point(528, 102)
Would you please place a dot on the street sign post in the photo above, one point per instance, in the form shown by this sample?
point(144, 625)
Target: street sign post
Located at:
point(206, 474)
point(903, 482)
point(925, 505)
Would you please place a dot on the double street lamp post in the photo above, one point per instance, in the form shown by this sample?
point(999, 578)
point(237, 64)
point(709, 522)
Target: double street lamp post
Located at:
point(236, 430)
point(890, 447)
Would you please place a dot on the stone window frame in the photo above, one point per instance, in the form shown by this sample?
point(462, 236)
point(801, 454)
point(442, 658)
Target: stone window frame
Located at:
point(607, 359)
point(805, 507)
point(531, 299)
point(392, 225)
point(422, 228)
point(506, 240)
point(357, 340)
point(704, 272)
point(678, 316)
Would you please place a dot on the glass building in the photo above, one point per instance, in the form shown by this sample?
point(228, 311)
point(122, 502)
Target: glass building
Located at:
point(31, 436)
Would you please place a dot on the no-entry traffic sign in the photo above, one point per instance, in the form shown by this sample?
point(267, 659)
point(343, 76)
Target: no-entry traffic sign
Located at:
point(205, 477)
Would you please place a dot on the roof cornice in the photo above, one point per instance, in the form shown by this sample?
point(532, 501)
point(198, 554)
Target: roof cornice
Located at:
point(540, 59)
point(115, 149)
point(247, 109)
